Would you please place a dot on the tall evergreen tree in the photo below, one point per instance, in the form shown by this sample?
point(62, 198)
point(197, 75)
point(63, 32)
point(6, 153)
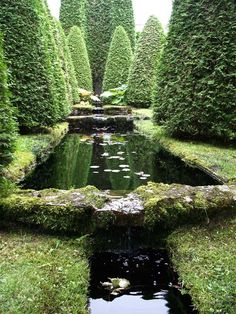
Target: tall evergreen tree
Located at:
point(123, 15)
point(98, 30)
point(52, 50)
point(7, 123)
point(32, 61)
point(119, 60)
point(72, 14)
point(143, 70)
point(80, 58)
point(66, 63)
point(195, 91)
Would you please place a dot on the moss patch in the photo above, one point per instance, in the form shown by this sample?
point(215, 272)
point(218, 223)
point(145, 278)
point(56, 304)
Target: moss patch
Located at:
point(205, 260)
point(33, 149)
point(53, 210)
point(218, 161)
point(169, 206)
point(41, 274)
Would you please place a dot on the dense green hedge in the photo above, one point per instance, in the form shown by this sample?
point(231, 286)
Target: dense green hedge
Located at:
point(35, 78)
point(56, 71)
point(123, 15)
point(7, 124)
point(98, 30)
point(67, 63)
point(119, 60)
point(80, 58)
point(195, 93)
point(142, 73)
point(72, 13)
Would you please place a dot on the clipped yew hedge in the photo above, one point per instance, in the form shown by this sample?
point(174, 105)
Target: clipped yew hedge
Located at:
point(80, 58)
point(7, 123)
point(98, 30)
point(72, 13)
point(195, 90)
point(123, 15)
point(52, 51)
point(35, 79)
point(119, 60)
point(67, 63)
point(142, 73)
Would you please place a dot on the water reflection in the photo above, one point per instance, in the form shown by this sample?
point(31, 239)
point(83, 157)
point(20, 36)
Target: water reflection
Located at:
point(115, 162)
point(153, 286)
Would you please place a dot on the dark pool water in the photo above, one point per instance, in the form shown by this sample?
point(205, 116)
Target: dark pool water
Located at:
point(114, 162)
point(153, 287)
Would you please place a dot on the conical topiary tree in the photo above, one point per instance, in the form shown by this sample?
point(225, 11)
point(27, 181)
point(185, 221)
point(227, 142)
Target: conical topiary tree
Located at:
point(80, 58)
point(195, 91)
point(98, 30)
point(7, 122)
point(56, 70)
point(67, 63)
point(72, 14)
point(35, 79)
point(119, 60)
point(142, 73)
point(123, 15)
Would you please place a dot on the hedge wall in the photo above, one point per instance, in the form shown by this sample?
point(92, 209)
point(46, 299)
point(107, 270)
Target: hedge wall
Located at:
point(67, 63)
point(56, 71)
point(119, 60)
point(123, 15)
point(98, 30)
point(142, 73)
point(7, 123)
point(72, 13)
point(28, 76)
point(29, 55)
point(80, 58)
point(195, 93)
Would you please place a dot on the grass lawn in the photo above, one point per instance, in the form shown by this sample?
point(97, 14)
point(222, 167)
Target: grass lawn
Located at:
point(31, 148)
point(42, 274)
point(219, 161)
point(205, 260)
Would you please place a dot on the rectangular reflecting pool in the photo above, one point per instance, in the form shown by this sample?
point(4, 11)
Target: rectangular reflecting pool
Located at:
point(115, 162)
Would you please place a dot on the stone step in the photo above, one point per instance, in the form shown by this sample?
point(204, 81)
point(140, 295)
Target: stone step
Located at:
point(107, 110)
point(91, 122)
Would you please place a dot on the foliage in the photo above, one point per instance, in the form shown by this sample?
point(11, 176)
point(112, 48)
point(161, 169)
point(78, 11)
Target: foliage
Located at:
point(119, 60)
point(43, 274)
point(98, 31)
point(67, 64)
point(35, 79)
point(205, 260)
point(7, 123)
point(195, 92)
point(115, 96)
point(58, 82)
point(123, 15)
point(72, 14)
point(6, 187)
point(143, 70)
point(80, 58)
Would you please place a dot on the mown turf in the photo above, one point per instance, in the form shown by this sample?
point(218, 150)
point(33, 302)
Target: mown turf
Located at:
point(220, 161)
point(205, 260)
point(42, 274)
